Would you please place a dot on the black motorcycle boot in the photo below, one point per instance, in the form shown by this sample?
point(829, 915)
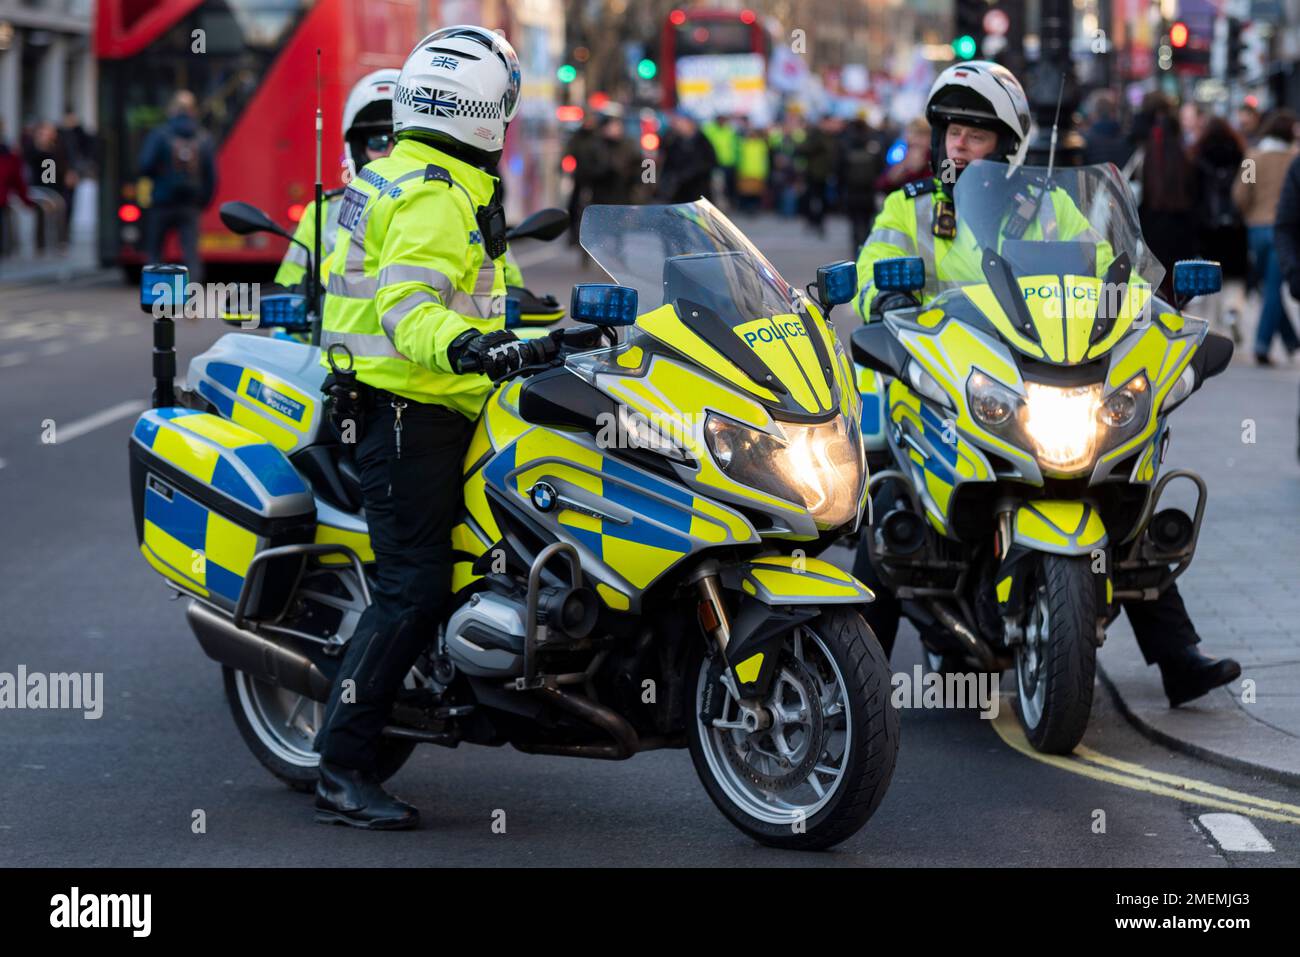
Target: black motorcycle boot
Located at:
point(353, 797)
point(1189, 674)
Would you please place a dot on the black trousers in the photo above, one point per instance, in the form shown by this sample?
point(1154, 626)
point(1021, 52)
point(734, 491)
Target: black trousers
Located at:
point(161, 220)
point(411, 503)
point(1161, 627)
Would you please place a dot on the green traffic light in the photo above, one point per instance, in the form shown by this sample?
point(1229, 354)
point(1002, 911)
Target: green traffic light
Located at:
point(566, 73)
point(647, 69)
point(964, 47)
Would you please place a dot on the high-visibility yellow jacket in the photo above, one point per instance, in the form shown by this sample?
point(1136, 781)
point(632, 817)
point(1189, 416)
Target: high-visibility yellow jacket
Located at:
point(905, 228)
point(293, 268)
point(753, 162)
point(410, 274)
point(724, 139)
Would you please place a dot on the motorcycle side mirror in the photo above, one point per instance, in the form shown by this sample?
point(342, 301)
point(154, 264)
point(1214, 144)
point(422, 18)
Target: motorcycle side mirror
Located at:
point(836, 283)
point(899, 274)
point(545, 224)
point(244, 219)
point(603, 304)
point(1196, 277)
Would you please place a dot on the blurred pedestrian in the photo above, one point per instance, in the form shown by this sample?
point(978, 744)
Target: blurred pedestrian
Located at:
point(915, 164)
point(1248, 122)
point(582, 147)
point(177, 156)
point(1105, 138)
point(1259, 196)
point(783, 144)
point(686, 170)
point(724, 136)
point(818, 152)
point(48, 167)
point(1165, 177)
point(13, 183)
point(862, 159)
point(753, 164)
point(614, 164)
point(1191, 116)
point(1216, 162)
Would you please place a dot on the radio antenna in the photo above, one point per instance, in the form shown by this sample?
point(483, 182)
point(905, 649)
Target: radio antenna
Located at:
point(1051, 153)
point(314, 293)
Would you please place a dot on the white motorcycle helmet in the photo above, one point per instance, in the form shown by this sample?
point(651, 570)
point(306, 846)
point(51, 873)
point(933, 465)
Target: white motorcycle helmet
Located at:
point(460, 83)
point(984, 94)
point(368, 112)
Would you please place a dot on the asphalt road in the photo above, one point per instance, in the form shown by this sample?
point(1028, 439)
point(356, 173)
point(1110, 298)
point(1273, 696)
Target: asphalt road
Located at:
point(123, 790)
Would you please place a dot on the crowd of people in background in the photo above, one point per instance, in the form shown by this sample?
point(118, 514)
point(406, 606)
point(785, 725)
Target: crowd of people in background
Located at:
point(1207, 186)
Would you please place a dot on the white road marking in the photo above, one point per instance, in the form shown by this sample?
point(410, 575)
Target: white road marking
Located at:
point(12, 359)
point(73, 430)
point(52, 348)
point(2, 463)
point(1235, 833)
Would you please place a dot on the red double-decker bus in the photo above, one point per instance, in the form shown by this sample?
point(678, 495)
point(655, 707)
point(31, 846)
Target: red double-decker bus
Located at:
point(712, 34)
point(252, 66)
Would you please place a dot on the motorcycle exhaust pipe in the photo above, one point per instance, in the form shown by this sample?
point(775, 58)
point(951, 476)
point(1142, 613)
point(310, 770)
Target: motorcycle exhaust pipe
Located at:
point(975, 646)
point(252, 654)
point(626, 740)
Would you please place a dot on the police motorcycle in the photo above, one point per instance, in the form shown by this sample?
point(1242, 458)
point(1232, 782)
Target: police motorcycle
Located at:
point(634, 561)
point(1023, 411)
point(288, 313)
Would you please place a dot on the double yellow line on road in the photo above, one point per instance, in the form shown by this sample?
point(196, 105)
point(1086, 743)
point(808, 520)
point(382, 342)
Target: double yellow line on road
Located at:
point(1093, 764)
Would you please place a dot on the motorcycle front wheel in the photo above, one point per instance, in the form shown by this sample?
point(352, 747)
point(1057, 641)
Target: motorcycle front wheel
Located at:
point(279, 727)
point(819, 771)
point(1057, 662)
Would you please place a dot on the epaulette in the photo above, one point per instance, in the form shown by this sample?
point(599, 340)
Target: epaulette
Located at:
point(435, 172)
point(919, 188)
point(335, 193)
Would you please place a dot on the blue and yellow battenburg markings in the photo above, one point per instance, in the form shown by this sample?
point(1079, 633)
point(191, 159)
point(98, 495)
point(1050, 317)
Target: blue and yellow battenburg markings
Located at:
point(184, 539)
point(285, 413)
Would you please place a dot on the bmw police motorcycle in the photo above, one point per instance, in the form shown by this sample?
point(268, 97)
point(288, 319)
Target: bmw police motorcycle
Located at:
point(1023, 411)
point(635, 558)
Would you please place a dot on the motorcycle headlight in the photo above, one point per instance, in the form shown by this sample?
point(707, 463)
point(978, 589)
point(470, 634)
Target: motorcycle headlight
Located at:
point(926, 384)
point(1121, 408)
point(1062, 425)
point(992, 404)
point(1181, 390)
point(817, 466)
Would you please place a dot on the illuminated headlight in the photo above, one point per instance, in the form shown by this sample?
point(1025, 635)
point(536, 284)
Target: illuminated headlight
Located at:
point(820, 467)
point(1122, 406)
point(1062, 425)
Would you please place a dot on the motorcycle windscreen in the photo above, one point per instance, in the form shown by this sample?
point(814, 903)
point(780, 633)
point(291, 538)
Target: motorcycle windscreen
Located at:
point(707, 292)
point(1053, 258)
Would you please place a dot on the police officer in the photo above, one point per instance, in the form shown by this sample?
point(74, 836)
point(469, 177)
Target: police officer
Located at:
point(416, 294)
point(368, 136)
point(978, 110)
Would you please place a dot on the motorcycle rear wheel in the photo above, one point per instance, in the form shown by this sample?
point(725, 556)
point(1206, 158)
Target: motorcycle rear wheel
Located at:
point(279, 727)
point(830, 694)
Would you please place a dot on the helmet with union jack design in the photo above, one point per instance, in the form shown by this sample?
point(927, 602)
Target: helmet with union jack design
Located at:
point(983, 94)
point(459, 83)
point(368, 112)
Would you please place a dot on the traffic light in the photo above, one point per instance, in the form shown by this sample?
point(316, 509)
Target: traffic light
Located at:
point(970, 28)
point(646, 69)
point(1235, 47)
point(1178, 35)
point(566, 73)
point(1189, 49)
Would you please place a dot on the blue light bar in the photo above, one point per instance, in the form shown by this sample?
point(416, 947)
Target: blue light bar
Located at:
point(1197, 277)
point(512, 313)
point(899, 274)
point(288, 310)
point(603, 304)
point(837, 282)
point(164, 283)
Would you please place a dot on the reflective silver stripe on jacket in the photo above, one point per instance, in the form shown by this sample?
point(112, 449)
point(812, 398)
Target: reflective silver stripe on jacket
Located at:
point(925, 241)
point(392, 317)
point(895, 237)
point(296, 255)
point(394, 275)
point(361, 343)
point(351, 287)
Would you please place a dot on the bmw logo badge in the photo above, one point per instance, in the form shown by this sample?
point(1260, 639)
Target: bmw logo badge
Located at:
point(543, 496)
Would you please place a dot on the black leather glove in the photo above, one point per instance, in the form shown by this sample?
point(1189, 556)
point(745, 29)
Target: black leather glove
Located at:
point(495, 354)
point(885, 301)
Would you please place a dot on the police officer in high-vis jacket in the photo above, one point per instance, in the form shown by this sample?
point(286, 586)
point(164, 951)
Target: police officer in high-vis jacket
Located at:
point(416, 292)
point(979, 110)
point(367, 136)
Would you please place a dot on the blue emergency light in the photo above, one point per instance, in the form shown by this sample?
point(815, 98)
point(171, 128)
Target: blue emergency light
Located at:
point(837, 282)
point(163, 284)
point(603, 304)
point(512, 313)
point(1197, 277)
point(287, 310)
point(899, 274)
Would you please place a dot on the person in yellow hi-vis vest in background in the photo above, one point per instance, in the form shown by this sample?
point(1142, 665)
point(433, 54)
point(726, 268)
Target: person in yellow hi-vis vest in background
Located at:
point(416, 293)
point(752, 167)
point(722, 134)
point(978, 110)
point(368, 136)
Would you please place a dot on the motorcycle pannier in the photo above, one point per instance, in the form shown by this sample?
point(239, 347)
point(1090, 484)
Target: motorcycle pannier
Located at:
point(208, 495)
